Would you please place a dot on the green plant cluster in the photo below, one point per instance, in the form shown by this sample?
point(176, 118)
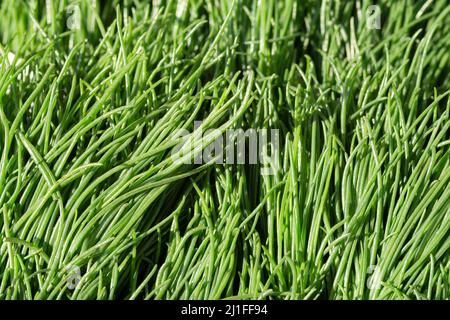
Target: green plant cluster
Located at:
point(91, 93)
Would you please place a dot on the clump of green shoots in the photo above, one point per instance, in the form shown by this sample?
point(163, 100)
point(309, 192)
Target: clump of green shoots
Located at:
point(93, 205)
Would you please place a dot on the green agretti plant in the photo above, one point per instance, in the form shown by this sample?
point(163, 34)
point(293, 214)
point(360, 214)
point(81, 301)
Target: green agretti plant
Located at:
point(94, 206)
